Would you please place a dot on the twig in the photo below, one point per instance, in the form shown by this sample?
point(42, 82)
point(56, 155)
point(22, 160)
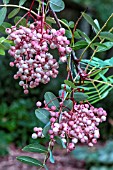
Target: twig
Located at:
point(17, 6)
point(95, 36)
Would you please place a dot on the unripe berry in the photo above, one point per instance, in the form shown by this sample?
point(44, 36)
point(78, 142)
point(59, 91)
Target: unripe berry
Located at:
point(34, 136)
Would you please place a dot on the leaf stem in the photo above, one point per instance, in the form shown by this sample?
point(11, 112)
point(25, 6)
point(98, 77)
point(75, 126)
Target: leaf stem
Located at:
point(95, 51)
point(17, 6)
point(95, 36)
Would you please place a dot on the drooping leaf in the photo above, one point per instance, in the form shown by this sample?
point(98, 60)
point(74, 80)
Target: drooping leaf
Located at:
point(69, 83)
point(22, 22)
point(50, 20)
point(2, 52)
point(83, 34)
point(77, 35)
point(97, 24)
point(68, 34)
point(60, 142)
point(99, 85)
point(4, 26)
point(90, 21)
point(30, 161)
point(35, 148)
point(42, 115)
point(108, 45)
point(21, 2)
point(65, 21)
point(46, 168)
point(68, 104)
point(107, 35)
point(46, 129)
point(13, 13)
point(80, 45)
point(79, 96)
point(51, 99)
point(51, 157)
point(6, 1)
point(57, 5)
point(3, 13)
point(71, 24)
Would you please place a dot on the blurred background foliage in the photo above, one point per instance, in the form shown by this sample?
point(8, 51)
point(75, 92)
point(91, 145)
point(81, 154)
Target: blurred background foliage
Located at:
point(17, 117)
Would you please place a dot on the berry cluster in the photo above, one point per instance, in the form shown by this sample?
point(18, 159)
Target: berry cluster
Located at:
point(38, 132)
point(78, 124)
point(35, 64)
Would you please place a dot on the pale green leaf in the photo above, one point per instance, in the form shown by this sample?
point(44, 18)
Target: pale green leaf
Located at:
point(6, 1)
point(79, 96)
point(46, 129)
point(4, 26)
point(57, 5)
point(30, 161)
point(42, 115)
point(21, 2)
point(107, 35)
point(13, 13)
point(90, 21)
point(2, 52)
point(35, 148)
point(51, 99)
point(3, 13)
point(51, 157)
point(69, 83)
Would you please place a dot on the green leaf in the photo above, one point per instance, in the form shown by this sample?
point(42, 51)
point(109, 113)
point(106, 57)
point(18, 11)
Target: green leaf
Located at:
point(2, 52)
point(35, 148)
point(90, 21)
point(46, 168)
point(108, 45)
point(68, 34)
point(50, 20)
point(83, 34)
point(46, 129)
point(57, 5)
point(3, 13)
point(22, 22)
point(51, 157)
point(79, 96)
point(13, 13)
point(65, 21)
point(21, 2)
point(97, 23)
point(76, 35)
point(80, 45)
point(66, 87)
point(60, 142)
point(107, 35)
point(4, 26)
point(42, 115)
point(68, 104)
point(29, 160)
point(6, 1)
point(98, 44)
point(51, 99)
point(71, 24)
point(69, 83)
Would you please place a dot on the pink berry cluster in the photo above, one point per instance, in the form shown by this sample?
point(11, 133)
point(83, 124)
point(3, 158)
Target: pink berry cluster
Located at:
point(37, 132)
point(77, 125)
point(35, 64)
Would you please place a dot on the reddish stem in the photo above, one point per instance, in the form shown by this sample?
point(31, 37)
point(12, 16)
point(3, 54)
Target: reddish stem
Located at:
point(30, 10)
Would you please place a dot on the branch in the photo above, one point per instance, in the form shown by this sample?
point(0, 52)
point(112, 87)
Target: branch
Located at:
point(17, 6)
point(95, 36)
